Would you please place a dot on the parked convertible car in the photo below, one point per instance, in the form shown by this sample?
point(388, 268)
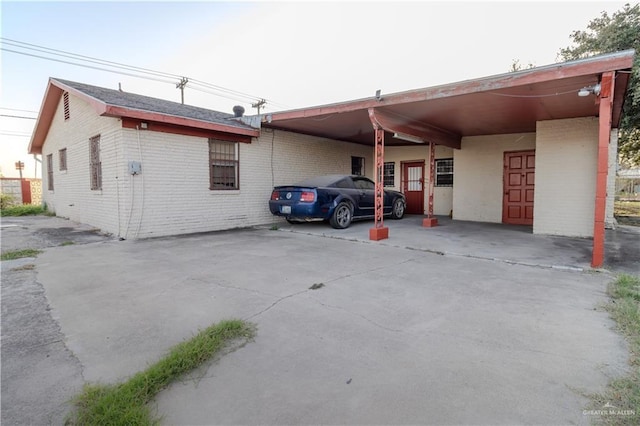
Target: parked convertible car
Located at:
point(338, 199)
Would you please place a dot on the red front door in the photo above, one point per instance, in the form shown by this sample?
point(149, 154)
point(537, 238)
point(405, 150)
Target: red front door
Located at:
point(413, 186)
point(519, 175)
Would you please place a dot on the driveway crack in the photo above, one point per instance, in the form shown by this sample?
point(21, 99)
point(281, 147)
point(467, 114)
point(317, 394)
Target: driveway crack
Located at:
point(395, 330)
point(275, 303)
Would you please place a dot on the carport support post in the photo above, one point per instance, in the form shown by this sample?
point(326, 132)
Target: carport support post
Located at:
point(430, 220)
point(379, 231)
point(604, 133)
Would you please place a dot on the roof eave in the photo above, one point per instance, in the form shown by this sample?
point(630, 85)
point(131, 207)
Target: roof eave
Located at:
point(117, 111)
point(611, 62)
point(48, 108)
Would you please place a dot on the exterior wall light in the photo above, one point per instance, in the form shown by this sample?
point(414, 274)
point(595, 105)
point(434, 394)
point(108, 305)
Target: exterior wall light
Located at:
point(589, 90)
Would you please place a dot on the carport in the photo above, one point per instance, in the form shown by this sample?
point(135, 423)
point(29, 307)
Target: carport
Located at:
point(503, 104)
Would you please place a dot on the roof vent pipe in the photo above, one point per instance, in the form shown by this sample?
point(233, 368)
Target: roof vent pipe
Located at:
point(238, 111)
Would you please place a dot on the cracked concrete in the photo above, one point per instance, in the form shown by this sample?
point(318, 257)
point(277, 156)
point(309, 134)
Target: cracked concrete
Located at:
point(394, 336)
point(39, 374)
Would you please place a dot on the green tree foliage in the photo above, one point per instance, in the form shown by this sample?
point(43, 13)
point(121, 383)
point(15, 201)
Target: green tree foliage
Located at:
point(607, 34)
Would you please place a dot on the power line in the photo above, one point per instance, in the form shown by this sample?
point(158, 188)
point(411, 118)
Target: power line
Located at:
point(17, 116)
point(51, 51)
point(156, 75)
point(25, 135)
point(83, 65)
point(19, 110)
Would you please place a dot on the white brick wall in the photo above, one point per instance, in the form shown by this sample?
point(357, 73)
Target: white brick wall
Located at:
point(442, 196)
point(609, 219)
point(172, 192)
point(566, 167)
point(171, 196)
point(478, 175)
point(72, 196)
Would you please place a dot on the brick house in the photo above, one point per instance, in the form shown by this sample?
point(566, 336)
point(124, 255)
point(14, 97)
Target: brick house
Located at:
point(535, 147)
point(140, 167)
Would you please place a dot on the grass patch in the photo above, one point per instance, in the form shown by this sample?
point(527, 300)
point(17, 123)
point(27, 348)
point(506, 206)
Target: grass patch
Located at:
point(27, 267)
point(623, 393)
point(22, 210)
point(626, 208)
point(17, 254)
point(66, 243)
point(126, 403)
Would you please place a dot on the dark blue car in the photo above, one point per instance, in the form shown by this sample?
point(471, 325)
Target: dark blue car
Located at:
point(338, 199)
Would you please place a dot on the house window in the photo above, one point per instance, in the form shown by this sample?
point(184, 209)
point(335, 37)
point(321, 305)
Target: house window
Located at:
point(357, 166)
point(223, 165)
point(95, 165)
point(50, 172)
point(444, 172)
point(62, 154)
point(67, 112)
point(389, 177)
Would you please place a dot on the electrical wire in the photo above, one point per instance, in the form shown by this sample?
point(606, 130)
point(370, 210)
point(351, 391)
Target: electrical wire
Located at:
point(19, 110)
point(17, 116)
point(127, 70)
point(533, 96)
point(15, 134)
point(85, 66)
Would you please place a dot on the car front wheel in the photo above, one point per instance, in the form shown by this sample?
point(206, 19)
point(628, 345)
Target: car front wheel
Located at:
point(341, 217)
point(397, 212)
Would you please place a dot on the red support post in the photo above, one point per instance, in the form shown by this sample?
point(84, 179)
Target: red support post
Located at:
point(604, 133)
point(379, 231)
point(431, 220)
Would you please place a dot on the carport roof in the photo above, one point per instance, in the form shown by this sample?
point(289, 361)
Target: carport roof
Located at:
point(500, 104)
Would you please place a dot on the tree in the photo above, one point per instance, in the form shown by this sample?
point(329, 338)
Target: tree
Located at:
point(517, 66)
point(608, 34)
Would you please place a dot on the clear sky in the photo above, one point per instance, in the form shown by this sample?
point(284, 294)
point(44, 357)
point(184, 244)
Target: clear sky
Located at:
point(294, 54)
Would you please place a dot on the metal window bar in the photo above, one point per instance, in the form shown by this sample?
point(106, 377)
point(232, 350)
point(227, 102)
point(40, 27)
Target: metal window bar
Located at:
point(95, 164)
point(50, 172)
point(224, 165)
point(63, 158)
point(389, 174)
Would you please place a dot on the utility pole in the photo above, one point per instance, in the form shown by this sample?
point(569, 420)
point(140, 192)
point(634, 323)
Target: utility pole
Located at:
point(259, 104)
point(19, 167)
point(181, 86)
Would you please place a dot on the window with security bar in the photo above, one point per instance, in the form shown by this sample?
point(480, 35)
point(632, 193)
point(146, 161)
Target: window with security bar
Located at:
point(444, 172)
point(223, 165)
point(62, 156)
point(357, 166)
point(50, 172)
point(95, 165)
point(389, 177)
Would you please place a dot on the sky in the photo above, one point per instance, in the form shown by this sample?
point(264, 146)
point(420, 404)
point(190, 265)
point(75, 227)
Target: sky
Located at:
point(293, 54)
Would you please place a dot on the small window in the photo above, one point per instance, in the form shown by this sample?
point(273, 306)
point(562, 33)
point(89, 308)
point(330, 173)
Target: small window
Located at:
point(50, 172)
point(389, 178)
point(223, 165)
point(67, 112)
point(357, 166)
point(94, 163)
point(444, 172)
point(62, 156)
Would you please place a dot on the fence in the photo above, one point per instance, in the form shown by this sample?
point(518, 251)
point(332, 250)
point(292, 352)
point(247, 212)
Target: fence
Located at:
point(25, 191)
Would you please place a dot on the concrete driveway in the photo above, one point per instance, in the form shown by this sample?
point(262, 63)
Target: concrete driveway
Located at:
point(395, 334)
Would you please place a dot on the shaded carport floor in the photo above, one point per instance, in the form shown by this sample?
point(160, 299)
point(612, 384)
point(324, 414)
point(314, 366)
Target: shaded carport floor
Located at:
point(492, 241)
point(394, 335)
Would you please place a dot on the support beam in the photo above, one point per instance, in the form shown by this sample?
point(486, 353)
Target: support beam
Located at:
point(431, 220)
point(379, 231)
point(604, 132)
point(421, 131)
